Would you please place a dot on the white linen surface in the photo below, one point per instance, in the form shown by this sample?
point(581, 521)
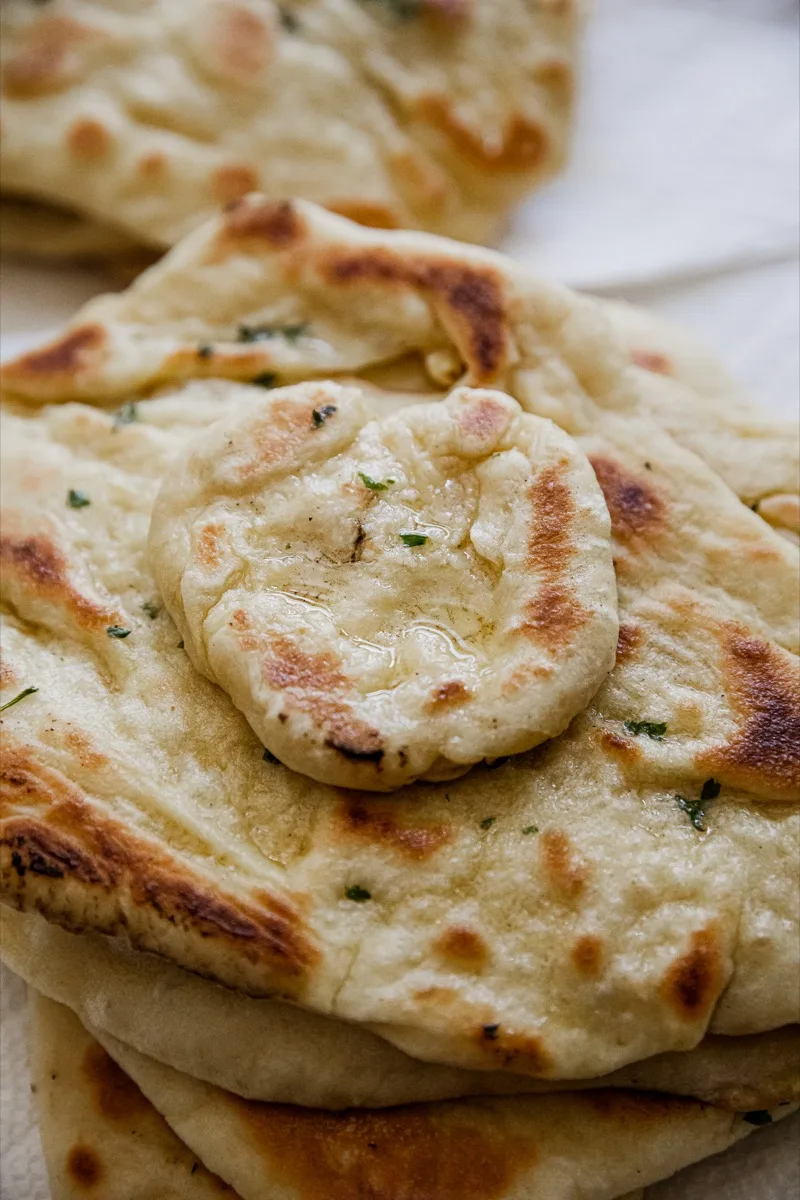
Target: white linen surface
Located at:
point(683, 195)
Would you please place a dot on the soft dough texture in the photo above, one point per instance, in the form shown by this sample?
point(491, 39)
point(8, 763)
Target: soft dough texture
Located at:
point(100, 1134)
point(579, 907)
point(434, 114)
point(595, 1145)
point(265, 1050)
point(388, 600)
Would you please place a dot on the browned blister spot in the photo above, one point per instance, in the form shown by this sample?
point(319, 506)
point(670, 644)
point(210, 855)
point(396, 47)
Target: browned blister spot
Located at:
point(42, 570)
point(48, 58)
point(207, 550)
point(484, 420)
point(7, 674)
point(417, 1152)
point(88, 139)
point(84, 1167)
point(314, 684)
point(233, 181)
point(764, 755)
point(587, 955)
point(51, 833)
point(239, 43)
point(153, 164)
point(471, 297)
point(72, 352)
point(377, 823)
point(554, 615)
point(520, 145)
point(694, 982)
point(629, 639)
point(286, 426)
point(651, 360)
point(564, 870)
point(80, 744)
point(635, 508)
point(448, 695)
point(619, 747)
point(251, 224)
point(114, 1094)
point(520, 1053)
point(556, 77)
point(462, 947)
point(615, 1104)
point(373, 213)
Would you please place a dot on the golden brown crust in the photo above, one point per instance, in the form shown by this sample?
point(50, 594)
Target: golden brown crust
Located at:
point(375, 823)
point(693, 983)
point(636, 509)
point(74, 351)
point(566, 873)
point(60, 856)
point(41, 569)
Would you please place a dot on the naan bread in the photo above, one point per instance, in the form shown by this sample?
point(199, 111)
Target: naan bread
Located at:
point(757, 457)
point(265, 1050)
point(595, 1145)
point(29, 229)
point(434, 114)
point(361, 586)
point(100, 1135)
point(611, 896)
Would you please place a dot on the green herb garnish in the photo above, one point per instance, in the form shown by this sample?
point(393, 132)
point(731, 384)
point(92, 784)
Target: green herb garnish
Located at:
point(530, 829)
point(758, 1116)
point(28, 691)
point(117, 631)
point(694, 811)
point(77, 499)
point(126, 415)
point(204, 350)
point(263, 333)
point(653, 729)
point(710, 789)
point(320, 415)
point(267, 379)
point(269, 757)
point(491, 1032)
point(488, 822)
point(374, 485)
point(413, 539)
point(359, 894)
point(151, 608)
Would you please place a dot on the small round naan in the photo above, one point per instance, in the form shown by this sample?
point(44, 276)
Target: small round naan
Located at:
point(390, 599)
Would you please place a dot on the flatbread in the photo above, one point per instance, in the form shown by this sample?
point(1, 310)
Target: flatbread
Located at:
point(568, 912)
point(100, 1135)
point(265, 1050)
point(29, 229)
point(434, 114)
point(758, 457)
point(595, 1144)
point(360, 585)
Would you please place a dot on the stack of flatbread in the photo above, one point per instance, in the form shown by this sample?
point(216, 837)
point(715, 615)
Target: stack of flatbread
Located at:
point(126, 124)
point(400, 752)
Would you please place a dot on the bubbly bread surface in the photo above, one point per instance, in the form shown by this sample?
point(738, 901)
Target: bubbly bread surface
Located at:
point(390, 599)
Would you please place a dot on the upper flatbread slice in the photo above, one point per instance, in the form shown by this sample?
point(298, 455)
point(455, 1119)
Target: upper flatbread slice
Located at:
point(612, 896)
point(433, 114)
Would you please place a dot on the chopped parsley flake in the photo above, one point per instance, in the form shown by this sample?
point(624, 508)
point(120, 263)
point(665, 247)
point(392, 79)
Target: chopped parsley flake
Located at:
point(710, 789)
point(151, 608)
point(357, 893)
point(267, 379)
point(413, 539)
point(320, 415)
point(126, 415)
point(758, 1116)
point(263, 333)
point(77, 499)
point(694, 811)
point(491, 1032)
point(653, 729)
point(488, 822)
point(530, 829)
point(374, 485)
point(269, 757)
point(28, 691)
point(117, 631)
point(204, 350)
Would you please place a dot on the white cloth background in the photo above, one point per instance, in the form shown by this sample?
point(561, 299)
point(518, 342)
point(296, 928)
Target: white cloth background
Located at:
point(683, 195)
